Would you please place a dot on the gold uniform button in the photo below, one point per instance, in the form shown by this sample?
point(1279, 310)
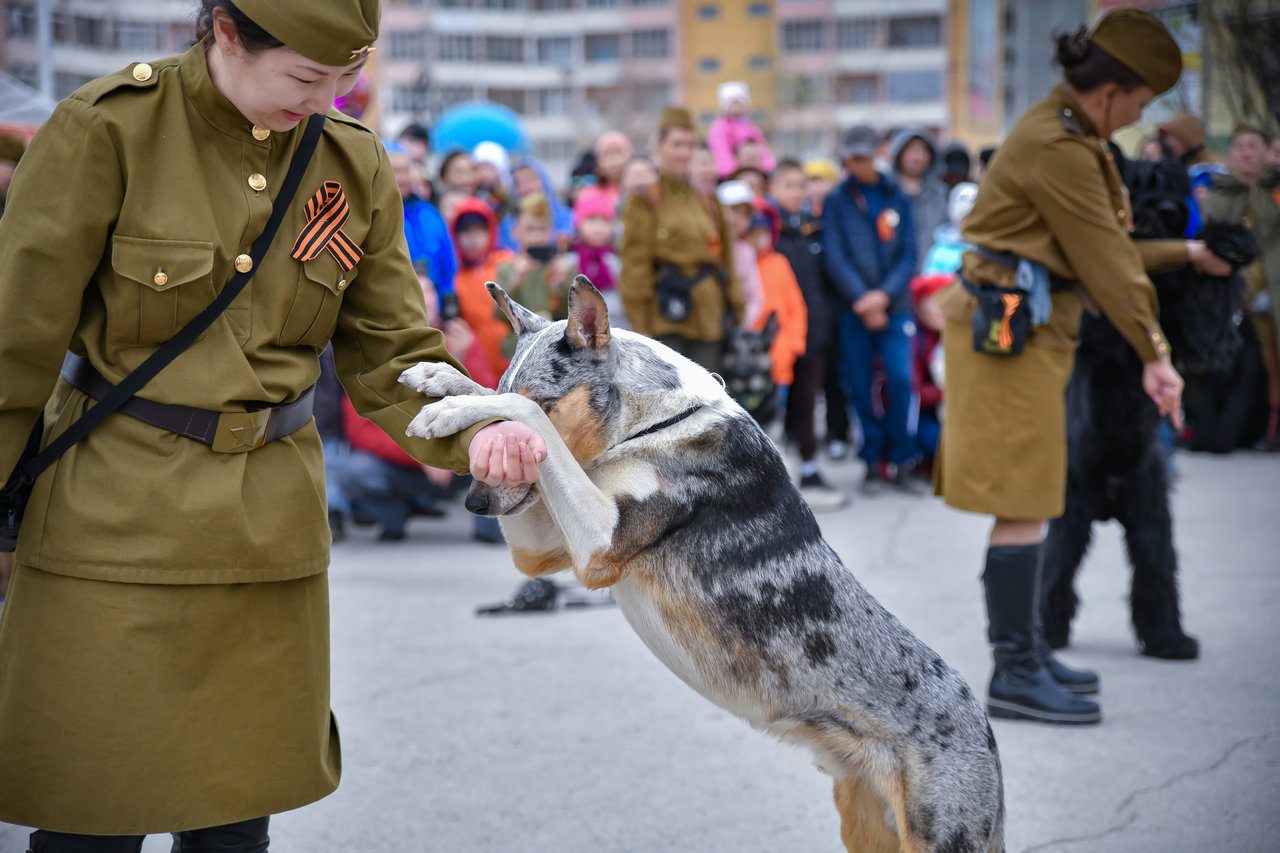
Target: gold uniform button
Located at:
point(161, 279)
point(1122, 214)
point(142, 72)
point(260, 133)
point(342, 285)
point(257, 182)
point(244, 263)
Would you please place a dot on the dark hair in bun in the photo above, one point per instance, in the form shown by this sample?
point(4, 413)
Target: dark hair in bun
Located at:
point(253, 37)
point(1087, 66)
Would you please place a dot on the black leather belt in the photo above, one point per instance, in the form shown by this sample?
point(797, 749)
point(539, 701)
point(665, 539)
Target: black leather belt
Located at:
point(1009, 261)
point(225, 432)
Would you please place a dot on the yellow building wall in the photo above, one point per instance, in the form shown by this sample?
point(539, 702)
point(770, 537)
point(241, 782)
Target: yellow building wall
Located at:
point(733, 39)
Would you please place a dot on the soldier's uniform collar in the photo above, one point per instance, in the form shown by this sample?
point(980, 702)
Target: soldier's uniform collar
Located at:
point(212, 104)
point(1069, 113)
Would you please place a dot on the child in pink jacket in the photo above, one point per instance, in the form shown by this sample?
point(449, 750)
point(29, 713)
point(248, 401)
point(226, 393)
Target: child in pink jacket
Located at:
point(733, 127)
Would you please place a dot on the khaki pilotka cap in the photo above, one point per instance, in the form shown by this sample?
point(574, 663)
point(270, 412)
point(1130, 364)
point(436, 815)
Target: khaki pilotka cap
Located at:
point(1143, 44)
point(331, 32)
point(676, 117)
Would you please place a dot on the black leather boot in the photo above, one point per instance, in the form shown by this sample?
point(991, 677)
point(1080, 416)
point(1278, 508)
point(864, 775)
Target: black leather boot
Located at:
point(1021, 686)
point(43, 841)
point(247, 836)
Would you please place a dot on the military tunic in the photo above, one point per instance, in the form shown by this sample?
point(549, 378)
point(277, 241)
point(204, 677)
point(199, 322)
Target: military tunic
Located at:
point(674, 224)
point(1052, 195)
point(164, 647)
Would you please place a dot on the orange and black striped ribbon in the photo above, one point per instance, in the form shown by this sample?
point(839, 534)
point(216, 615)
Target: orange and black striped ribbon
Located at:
point(1005, 336)
point(327, 212)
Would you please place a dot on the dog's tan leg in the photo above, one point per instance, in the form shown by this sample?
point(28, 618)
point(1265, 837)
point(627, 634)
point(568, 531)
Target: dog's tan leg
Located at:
point(862, 826)
point(908, 842)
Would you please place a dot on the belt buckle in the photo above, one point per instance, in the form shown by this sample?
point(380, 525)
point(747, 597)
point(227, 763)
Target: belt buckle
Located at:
point(240, 432)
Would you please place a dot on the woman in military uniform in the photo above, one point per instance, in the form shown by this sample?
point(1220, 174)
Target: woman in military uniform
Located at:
point(677, 280)
point(164, 646)
point(1051, 218)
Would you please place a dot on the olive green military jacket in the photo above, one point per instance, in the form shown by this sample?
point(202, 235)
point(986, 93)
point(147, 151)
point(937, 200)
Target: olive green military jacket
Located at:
point(674, 224)
point(125, 219)
point(1258, 205)
point(1053, 195)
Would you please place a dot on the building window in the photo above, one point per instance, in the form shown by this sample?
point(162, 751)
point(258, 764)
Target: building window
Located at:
point(20, 22)
point(505, 5)
point(552, 5)
point(603, 101)
point(504, 48)
point(553, 150)
point(407, 98)
point(408, 45)
point(66, 82)
point(915, 32)
point(512, 98)
point(915, 86)
point(455, 48)
point(555, 102)
point(759, 63)
point(650, 44)
point(80, 30)
point(636, 4)
point(650, 97)
point(555, 50)
point(858, 90)
point(600, 47)
point(137, 36)
point(857, 34)
point(803, 90)
point(708, 11)
point(708, 65)
point(758, 10)
point(802, 36)
point(448, 96)
point(29, 74)
point(601, 4)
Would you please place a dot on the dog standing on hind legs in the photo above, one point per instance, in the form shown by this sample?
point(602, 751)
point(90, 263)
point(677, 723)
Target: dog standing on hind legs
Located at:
point(658, 485)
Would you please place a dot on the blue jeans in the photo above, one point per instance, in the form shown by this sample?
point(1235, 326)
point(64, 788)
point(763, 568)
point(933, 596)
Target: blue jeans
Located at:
point(886, 434)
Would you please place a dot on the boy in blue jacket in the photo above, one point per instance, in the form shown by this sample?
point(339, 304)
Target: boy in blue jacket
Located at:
point(870, 253)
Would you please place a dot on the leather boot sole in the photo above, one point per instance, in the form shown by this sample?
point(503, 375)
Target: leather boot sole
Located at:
point(1012, 711)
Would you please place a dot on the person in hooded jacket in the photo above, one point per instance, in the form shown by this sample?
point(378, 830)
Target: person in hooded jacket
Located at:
point(529, 176)
point(914, 157)
point(475, 233)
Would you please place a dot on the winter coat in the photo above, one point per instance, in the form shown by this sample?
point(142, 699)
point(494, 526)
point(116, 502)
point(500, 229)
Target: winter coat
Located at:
point(800, 242)
point(863, 247)
point(782, 298)
point(475, 305)
point(726, 134)
point(929, 206)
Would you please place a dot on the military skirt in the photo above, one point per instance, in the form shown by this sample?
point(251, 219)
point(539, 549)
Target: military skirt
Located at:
point(131, 709)
point(1003, 450)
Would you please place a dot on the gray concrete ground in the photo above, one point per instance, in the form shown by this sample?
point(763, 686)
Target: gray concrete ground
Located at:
point(562, 733)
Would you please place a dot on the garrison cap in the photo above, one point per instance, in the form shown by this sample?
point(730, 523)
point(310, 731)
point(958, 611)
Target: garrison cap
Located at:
point(675, 117)
point(1138, 39)
point(12, 147)
point(332, 32)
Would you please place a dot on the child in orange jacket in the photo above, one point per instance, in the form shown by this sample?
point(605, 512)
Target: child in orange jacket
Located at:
point(782, 296)
point(475, 235)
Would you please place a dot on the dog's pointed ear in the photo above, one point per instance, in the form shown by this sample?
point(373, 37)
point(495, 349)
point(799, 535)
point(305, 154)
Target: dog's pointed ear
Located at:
point(522, 319)
point(588, 318)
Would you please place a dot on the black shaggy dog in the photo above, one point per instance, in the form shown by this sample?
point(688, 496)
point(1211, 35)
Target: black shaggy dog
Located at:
point(1115, 465)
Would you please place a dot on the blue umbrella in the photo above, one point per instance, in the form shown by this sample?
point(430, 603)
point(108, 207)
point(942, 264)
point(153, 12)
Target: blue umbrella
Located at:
point(467, 125)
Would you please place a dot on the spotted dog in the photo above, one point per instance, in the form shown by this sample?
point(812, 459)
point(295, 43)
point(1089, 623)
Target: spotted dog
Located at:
point(660, 486)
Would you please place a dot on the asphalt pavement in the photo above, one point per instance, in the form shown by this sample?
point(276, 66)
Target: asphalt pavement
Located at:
point(561, 732)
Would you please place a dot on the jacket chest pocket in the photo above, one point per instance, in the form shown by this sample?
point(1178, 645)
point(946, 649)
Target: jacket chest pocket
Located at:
point(314, 313)
point(158, 287)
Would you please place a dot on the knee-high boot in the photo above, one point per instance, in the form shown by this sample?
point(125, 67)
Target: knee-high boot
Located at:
point(1071, 680)
point(1021, 686)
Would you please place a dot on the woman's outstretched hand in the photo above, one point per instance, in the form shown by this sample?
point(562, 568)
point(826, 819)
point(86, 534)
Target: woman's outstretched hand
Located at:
point(506, 454)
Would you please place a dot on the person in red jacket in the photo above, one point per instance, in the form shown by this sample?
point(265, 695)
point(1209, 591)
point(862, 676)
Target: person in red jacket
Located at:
point(926, 364)
point(475, 235)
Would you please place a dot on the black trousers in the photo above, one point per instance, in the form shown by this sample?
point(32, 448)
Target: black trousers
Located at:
point(247, 836)
point(809, 373)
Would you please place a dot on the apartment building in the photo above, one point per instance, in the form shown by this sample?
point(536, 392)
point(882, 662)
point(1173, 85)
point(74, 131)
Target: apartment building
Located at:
point(88, 38)
point(571, 68)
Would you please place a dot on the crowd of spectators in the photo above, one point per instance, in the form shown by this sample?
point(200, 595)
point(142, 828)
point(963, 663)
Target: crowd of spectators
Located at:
point(832, 263)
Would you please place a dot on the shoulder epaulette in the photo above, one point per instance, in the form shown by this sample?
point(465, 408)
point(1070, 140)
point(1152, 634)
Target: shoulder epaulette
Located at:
point(1070, 123)
point(137, 75)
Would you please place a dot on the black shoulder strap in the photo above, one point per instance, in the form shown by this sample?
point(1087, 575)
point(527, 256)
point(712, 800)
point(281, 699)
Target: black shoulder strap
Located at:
point(187, 335)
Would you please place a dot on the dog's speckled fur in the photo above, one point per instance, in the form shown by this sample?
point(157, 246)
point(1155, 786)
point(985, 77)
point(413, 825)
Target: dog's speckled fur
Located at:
point(721, 569)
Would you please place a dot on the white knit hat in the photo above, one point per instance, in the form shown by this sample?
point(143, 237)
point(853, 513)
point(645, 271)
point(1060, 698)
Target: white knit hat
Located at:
point(493, 153)
point(735, 90)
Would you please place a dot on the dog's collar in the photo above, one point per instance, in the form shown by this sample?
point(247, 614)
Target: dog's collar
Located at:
point(664, 424)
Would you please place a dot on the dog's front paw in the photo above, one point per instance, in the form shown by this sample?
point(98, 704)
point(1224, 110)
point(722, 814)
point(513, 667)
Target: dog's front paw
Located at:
point(440, 379)
point(446, 417)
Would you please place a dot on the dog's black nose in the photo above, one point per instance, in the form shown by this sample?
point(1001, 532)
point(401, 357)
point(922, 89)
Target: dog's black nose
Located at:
point(477, 502)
